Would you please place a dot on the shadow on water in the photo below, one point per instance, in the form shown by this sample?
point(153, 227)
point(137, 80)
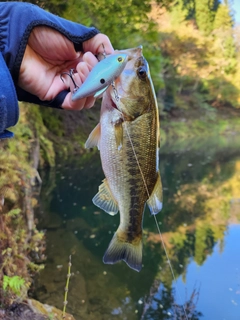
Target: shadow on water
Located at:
point(201, 181)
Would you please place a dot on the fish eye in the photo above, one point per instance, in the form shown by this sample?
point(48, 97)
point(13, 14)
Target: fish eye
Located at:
point(120, 59)
point(142, 73)
point(102, 81)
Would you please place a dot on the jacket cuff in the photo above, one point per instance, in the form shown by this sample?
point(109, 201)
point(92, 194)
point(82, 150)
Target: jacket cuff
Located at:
point(9, 112)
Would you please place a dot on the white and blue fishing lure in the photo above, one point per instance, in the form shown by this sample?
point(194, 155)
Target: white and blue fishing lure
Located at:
point(101, 76)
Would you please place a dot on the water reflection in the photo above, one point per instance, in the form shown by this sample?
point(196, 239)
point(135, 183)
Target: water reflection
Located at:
point(201, 181)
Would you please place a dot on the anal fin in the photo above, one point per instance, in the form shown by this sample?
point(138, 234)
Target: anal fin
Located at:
point(155, 200)
point(105, 200)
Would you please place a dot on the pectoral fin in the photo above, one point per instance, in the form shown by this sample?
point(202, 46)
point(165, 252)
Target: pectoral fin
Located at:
point(104, 199)
point(118, 134)
point(93, 138)
point(98, 93)
point(155, 200)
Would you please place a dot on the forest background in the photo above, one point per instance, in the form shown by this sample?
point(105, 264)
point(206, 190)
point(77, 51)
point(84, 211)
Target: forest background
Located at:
point(193, 48)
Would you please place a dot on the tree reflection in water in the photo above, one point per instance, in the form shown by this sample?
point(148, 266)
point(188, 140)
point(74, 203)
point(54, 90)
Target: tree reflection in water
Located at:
point(160, 304)
point(199, 185)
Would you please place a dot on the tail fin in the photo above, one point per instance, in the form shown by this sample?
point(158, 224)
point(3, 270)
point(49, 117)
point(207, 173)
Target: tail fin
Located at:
point(128, 252)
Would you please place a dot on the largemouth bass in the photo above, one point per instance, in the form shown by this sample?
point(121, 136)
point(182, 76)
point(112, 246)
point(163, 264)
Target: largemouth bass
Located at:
point(128, 139)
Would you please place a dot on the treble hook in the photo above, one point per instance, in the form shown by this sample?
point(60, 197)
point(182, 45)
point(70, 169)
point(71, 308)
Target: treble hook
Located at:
point(70, 74)
point(104, 52)
point(101, 55)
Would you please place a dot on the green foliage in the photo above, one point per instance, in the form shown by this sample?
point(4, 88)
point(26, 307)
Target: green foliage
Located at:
point(14, 212)
point(52, 120)
point(35, 268)
point(205, 14)
point(15, 284)
point(165, 3)
point(182, 10)
point(204, 243)
point(46, 145)
point(15, 244)
point(47, 151)
point(29, 130)
point(51, 316)
point(116, 19)
point(223, 18)
point(223, 26)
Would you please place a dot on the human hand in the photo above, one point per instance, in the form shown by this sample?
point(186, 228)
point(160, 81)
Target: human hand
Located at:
point(48, 54)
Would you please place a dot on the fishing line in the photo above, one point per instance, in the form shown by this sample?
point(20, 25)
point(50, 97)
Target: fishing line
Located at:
point(170, 266)
point(145, 185)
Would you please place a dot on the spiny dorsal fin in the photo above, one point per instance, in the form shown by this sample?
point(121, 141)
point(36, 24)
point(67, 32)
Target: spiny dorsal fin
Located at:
point(105, 200)
point(155, 200)
point(94, 137)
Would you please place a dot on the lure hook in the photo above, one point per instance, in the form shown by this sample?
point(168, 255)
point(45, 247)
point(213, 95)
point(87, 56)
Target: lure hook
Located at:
point(104, 52)
point(70, 74)
point(101, 55)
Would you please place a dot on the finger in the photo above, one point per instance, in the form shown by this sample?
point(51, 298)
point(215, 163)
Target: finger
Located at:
point(95, 44)
point(85, 66)
point(89, 102)
point(73, 105)
point(85, 103)
point(90, 59)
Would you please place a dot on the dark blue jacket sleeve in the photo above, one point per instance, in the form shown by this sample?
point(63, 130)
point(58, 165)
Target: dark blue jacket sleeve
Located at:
point(8, 101)
point(17, 19)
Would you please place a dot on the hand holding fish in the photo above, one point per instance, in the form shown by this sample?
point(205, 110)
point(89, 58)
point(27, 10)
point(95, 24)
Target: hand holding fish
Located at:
point(48, 54)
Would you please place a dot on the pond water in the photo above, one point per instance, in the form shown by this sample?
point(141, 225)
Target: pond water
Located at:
point(200, 226)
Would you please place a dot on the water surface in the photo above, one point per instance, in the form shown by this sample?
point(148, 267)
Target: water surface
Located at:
point(199, 224)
